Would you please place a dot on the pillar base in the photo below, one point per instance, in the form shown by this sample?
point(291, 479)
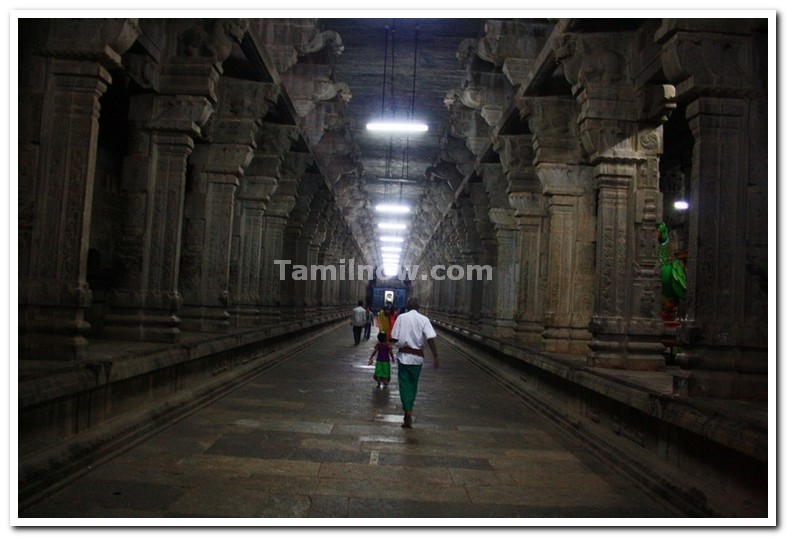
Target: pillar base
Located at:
point(143, 326)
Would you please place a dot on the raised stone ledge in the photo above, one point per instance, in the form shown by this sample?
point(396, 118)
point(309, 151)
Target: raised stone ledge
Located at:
point(725, 422)
point(78, 389)
point(708, 457)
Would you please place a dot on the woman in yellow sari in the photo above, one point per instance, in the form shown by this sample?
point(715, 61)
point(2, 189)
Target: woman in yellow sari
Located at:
point(385, 319)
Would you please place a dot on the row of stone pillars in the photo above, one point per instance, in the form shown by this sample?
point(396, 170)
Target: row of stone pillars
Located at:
point(209, 186)
point(568, 216)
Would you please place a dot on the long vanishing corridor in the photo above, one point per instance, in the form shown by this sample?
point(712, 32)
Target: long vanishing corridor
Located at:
point(314, 437)
point(581, 206)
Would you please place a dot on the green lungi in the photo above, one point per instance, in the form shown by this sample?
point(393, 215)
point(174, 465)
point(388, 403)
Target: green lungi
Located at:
point(408, 384)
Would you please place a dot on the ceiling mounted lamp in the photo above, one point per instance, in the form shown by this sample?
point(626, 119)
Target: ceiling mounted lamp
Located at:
point(390, 126)
point(392, 208)
point(391, 225)
point(390, 249)
point(681, 205)
point(391, 238)
point(397, 180)
point(394, 126)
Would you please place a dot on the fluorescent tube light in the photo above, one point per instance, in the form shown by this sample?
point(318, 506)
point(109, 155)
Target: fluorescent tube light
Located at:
point(397, 180)
point(390, 225)
point(390, 238)
point(681, 205)
point(398, 209)
point(388, 126)
point(390, 249)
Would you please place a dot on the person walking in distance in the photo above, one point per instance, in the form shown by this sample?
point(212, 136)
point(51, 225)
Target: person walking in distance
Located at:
point(358, 320)
point(411, 332)
point(367, 329)
point(382, 370)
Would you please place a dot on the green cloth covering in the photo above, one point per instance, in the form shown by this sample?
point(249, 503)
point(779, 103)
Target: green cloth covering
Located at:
point(408, 384)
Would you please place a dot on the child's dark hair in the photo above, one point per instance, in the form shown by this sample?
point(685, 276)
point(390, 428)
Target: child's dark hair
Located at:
point(382, 337)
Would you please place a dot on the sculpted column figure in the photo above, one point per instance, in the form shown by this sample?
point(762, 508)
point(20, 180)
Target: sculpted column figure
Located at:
point(625, 324)
point(53, 291)
point(146, 302)
point(716, 69)
point(567, 187)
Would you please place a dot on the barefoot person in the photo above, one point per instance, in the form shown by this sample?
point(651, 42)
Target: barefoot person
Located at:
point(411, 333)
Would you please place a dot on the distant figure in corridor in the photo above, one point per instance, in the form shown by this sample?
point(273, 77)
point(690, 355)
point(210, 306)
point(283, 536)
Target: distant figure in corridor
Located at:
point(358, 320)
point(410, 332)
point(386, 318)
point(367, 330)
point(382, 369)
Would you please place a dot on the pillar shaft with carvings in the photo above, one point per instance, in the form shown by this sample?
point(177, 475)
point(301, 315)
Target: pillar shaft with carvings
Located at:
point(260, 181)
point(570, 227)
point(145, 304)
point(525, 198)
point(624, 153)
point(723, 339)
point(506, 272)
point(54, 294)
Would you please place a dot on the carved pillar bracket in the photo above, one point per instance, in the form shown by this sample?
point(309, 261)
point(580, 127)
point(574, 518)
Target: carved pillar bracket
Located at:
point(553, 121)
point(100, 41)
point(710, 57)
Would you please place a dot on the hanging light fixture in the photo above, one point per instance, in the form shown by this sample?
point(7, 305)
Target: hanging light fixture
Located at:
point(393, 126)
point(392, 208)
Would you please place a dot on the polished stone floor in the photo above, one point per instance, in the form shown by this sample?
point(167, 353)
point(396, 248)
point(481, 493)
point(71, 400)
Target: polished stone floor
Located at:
point(314, 438)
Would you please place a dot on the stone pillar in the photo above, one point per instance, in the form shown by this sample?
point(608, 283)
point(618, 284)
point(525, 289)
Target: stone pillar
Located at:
point(278, 217)
point(210, 213)
point(53, 291)
point(723, 340)
point(570, 257)
point(144, 306)
point(261, 180)
point(146, 303)
point(625, 324)
point(484, 291)
point(506, 273)
point(524, 196)
point(296, 249)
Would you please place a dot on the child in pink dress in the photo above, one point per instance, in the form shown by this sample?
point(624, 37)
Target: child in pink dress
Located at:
point(382, 370)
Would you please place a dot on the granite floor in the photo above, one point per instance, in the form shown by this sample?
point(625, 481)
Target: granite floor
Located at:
point(314, 438)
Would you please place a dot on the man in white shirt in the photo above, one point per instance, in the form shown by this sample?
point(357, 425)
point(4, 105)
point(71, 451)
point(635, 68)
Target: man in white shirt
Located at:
point(358, 321)
point(411, 332)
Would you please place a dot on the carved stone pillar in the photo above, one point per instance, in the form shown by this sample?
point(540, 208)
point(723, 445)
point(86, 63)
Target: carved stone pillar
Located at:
point(53, 291)
point(145, 304)
point(506, 273)
point(625, 324)
point(723, 339)
point(570, 228)
point(261, 180)
point(296, 249)
point(524, 196)
point(210, 213)
point(570, 257)
point(484, 291)
point(147, 300)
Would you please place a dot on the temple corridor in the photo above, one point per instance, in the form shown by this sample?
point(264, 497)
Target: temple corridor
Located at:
point(581, 206)
point(314, 437)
